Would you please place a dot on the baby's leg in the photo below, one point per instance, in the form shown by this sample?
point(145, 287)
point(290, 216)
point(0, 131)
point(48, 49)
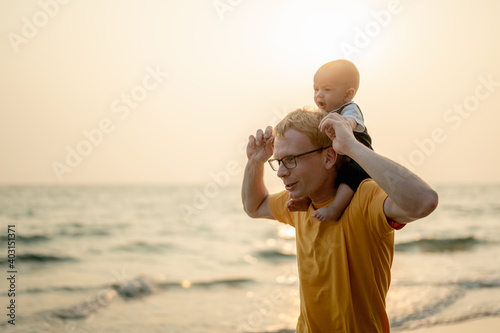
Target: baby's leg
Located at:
point(334, 211)
point(296, 205)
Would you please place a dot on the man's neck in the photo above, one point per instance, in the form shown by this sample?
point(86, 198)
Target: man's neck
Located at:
point(327, 192)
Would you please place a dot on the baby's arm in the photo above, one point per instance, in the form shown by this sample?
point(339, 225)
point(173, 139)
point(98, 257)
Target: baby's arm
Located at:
point(354, 117)
point(351, 122)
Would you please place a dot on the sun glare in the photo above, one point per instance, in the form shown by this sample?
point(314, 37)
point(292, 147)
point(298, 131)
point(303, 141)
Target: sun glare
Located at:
point(320, 33)
point(313, 34)
point(286, 232)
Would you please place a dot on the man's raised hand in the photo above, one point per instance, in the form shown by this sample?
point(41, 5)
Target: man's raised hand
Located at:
point(260, 147)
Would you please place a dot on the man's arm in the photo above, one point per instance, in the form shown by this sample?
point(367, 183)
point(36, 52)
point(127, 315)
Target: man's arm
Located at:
point(410, 198)
point(254, 193)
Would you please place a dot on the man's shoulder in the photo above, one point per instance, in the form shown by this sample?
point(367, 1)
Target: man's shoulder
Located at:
point(279, 198)
point(368, 205)
point(368, 197)
point(368, 186)
point(277, 205)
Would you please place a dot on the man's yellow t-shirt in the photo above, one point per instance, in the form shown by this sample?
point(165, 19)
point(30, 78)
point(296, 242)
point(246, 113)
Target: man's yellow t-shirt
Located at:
point(344, 266)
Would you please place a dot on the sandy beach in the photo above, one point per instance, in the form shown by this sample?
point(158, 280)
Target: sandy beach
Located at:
point(483, 325)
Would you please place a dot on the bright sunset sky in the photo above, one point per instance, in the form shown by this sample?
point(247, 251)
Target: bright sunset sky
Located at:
point(164, 91)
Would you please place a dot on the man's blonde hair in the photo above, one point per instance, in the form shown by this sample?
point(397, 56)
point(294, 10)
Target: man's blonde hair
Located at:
point(305, 120)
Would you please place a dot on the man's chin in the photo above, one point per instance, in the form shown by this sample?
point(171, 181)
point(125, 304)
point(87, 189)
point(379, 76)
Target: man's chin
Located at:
point(294, 194)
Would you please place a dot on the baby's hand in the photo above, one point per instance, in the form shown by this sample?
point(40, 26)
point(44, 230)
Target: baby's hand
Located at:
point(339, 131)
point(326, 126)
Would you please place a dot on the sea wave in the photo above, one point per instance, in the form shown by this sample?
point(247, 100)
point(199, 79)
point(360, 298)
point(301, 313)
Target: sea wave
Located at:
point(437, 298)
point(141, 286)
point(35, 257)
point(144, 247)
point(130, 289)
point(27, 239)
point(83, 232)
point(59, 289)
point(275, 255)
point(444, 303)
point(428, 323)
point(441, 244)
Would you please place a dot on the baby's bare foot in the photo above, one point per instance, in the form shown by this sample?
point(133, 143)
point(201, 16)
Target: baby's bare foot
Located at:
point(326, 214)
point(298, 205)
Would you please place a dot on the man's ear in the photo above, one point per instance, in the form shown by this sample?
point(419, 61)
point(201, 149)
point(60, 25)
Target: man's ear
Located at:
point(330, 158)
point(349, 95)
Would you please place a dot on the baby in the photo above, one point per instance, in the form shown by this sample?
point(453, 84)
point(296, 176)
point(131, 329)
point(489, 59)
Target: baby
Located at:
point(335, 85)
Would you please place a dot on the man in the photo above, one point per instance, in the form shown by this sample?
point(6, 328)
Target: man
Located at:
point(344, 266)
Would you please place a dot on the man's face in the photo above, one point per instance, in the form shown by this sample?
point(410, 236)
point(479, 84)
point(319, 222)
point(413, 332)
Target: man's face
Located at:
point(307, 177)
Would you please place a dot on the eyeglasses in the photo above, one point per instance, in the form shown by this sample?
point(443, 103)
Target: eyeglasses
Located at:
point(289, 161)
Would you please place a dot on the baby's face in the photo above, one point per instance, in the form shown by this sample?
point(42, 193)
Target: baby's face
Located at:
point(329, 91)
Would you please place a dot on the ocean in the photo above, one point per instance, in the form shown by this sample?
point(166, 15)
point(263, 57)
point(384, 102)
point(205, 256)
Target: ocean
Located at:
point(170, 259)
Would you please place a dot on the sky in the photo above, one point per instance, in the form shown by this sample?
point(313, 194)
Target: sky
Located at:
point(167, 92)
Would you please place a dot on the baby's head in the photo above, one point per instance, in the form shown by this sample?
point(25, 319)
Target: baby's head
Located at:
point(335, 83)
